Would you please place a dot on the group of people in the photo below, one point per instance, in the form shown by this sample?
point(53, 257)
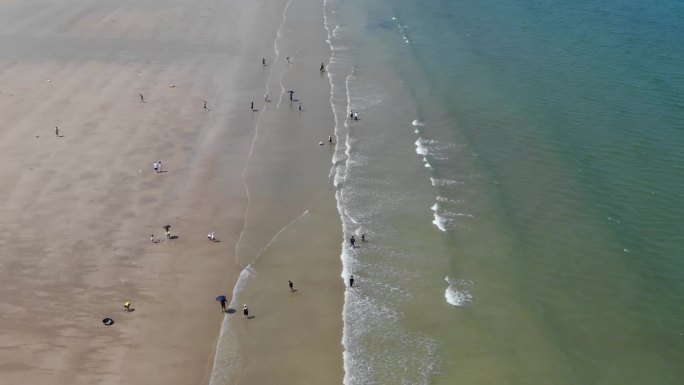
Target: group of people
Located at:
point(352, 240)
point(211, 236)
point(157, 166)
point(223, 301)
point(352, 244)
point(263, 63)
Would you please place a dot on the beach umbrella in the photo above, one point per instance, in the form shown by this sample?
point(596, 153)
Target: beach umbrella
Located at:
point(166, 227)
point(108, 321)
point(221, 298)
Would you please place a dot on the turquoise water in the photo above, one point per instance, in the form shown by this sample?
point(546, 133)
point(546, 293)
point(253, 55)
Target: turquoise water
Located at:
point(518, 171)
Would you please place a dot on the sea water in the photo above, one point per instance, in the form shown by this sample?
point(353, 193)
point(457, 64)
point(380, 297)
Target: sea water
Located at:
point(517, 171)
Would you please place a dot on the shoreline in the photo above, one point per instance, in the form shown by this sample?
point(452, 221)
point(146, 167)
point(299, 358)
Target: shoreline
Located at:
point(79, 214)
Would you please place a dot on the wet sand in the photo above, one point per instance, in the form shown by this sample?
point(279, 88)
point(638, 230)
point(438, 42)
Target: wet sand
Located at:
point(76, 211)
point(293, 337)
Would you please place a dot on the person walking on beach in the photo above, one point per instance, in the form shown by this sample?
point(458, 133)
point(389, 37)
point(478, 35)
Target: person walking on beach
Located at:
point(351, 114)
point(300, 106)
point(263, 61)
point(152, 238)
point(168, 234)
point(330, 139)
point(322, 67)
point(351, 281)
point(245, 311)
point(156, 166)
point(288, 60)
point(57, 131)
point(223, 304)
point(160, 166)
point(205, 105)
point(289, 283)
point(291, 93)
point(352, 241)
point(142, 99)
point(251, 105)
point(356, 116)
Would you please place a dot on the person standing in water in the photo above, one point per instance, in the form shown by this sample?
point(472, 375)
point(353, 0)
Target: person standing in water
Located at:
point(263, 61)
point(363, 237)
point(57, 131)
point(251, 105)
point(352, 241)
point(322, 67)
point(351, 281)
point(205, 105)
point(223, 304)
point(289, 283)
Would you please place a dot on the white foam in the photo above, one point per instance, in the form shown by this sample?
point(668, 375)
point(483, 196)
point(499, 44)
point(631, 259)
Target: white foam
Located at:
point(420, 148)
point(458, 292)
point(402, 29)
point(417, 123)
point(438, 220)
point(340, 166)
point(240, 284)
point(218, 373)
point(444, 182)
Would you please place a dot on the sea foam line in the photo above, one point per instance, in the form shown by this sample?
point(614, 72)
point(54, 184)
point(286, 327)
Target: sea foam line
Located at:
point(458, 292)
point(340, 173)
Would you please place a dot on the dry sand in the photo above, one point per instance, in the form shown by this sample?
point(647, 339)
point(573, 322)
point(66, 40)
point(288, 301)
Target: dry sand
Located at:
point(76, 211)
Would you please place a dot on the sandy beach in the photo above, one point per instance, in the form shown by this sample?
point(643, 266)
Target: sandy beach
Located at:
point(77, 210)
